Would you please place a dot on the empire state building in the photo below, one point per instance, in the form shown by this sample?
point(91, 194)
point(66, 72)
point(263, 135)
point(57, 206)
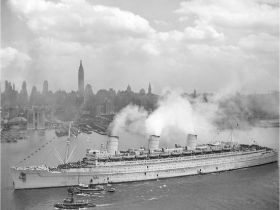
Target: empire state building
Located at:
point(81, 83)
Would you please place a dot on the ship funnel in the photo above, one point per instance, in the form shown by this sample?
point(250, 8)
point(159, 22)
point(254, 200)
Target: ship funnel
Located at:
point(153, 143)
point(191, 141)
point(112, 144)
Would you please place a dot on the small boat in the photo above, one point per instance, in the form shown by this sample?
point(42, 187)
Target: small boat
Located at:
point(91, 188)
point(111, 189)
point(69, 203)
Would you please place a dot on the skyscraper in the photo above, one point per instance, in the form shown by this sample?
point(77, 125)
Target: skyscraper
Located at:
point(81, 80)
point(23, 96)
point(150, 89)
point(45, 88)
point(88, 92)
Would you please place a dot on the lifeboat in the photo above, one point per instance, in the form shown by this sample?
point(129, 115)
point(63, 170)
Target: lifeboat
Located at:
point(187, 153)
point(176, 154)
point(207, 151)
point(141, 157)
point(153, 156)
point(217, 150)
point(197, 152)
point(103, 159)
point(226, 149)
point(115, 158)
point(164, 155)
point(128, 157)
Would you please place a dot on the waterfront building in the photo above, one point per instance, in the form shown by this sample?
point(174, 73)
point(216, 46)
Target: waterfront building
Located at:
point(23, 95)
point(88, 92)
point(142, 92)
point(45, 88)
point(128, 89)
point(36, 118)
point(17, 123)
point(105, 108)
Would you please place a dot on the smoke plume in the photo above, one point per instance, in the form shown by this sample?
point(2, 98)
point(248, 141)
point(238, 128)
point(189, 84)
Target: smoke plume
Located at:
point(179, 114)
point(174, 116)
point(130, 119)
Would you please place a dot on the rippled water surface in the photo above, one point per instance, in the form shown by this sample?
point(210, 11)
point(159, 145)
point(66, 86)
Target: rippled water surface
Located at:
point(251, 188)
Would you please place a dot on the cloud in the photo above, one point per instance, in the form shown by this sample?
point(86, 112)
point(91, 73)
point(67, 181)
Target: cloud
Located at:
point(236, 14)
point(262, 42)
point(13, 65)
point(11, 56)
point(78, 20)
point(218, 43)
point(203, 32)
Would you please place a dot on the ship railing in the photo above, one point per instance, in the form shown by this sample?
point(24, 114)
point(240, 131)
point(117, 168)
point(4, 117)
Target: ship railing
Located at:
point(42, 168)
point(182, 158)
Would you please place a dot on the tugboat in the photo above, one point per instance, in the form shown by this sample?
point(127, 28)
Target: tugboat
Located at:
point(69, 202)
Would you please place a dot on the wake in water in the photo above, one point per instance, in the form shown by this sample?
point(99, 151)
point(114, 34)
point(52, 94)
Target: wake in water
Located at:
point(150, 199)
point(104, 205)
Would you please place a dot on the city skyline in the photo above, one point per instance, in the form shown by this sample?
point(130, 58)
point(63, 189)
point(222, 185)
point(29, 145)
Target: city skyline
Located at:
point(80, 89)
point(179, 45)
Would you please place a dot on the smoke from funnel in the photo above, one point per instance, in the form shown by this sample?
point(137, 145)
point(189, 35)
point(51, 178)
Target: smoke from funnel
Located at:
point(131, 119)
point(178, 115)
point(174, 113)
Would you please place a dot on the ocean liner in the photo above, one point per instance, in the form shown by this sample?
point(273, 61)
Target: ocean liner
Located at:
point(108, 165)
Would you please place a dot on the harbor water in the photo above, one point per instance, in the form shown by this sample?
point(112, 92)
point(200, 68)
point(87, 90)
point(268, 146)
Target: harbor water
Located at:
point(250, 188)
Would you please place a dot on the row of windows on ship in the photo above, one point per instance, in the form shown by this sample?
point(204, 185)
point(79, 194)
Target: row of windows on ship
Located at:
point(183, 164)
point(158, 156)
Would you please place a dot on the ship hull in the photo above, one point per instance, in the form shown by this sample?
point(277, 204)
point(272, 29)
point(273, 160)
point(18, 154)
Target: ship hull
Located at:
point(128, 171)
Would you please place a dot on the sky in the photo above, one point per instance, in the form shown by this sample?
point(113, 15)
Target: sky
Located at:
point(195, 44)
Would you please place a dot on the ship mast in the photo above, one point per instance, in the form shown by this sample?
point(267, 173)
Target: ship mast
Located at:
point(68, 143)
point(231, 134)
